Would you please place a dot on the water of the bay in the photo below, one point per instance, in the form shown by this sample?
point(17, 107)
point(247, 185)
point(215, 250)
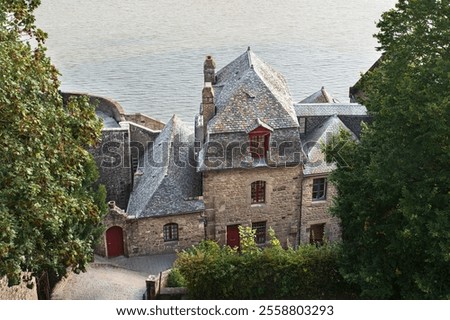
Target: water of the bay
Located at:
point(148, 55)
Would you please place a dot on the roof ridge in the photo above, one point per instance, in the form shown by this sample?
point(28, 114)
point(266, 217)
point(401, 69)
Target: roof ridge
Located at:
point(249, 58)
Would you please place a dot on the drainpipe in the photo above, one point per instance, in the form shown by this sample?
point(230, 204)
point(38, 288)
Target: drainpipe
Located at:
point(301, 207)
point(205, 225)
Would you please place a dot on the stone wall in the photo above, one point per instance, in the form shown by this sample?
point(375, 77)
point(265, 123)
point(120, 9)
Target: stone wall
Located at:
point(112, 156)
point(317, 212)
point(145, 121)
point(115, 217)
point(145, 235)
point(105, 105)
point(19, 292)
point(231, 150)
point(227, 197)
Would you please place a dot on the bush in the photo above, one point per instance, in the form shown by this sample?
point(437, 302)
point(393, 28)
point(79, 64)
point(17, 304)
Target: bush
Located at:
point(215, 272)
point(175, 279)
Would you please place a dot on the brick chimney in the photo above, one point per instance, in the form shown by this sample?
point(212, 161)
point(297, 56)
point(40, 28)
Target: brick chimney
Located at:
point(209, 70)
point(208, 107)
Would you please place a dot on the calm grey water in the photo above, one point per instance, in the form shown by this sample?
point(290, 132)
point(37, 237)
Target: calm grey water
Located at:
point(148, 54)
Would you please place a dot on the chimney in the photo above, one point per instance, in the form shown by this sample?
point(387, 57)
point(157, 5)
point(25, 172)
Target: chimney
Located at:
point(208, 107)
point(209, 70)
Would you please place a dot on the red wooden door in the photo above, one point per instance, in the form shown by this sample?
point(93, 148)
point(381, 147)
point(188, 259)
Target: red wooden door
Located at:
point(114, 241)
point(233, 236)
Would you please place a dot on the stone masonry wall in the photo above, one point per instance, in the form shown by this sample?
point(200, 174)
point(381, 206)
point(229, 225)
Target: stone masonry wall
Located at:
point(316, 212)
point(19, 292)
point(231, 150)
point(227, 197)
point(146, 121)
point(115, 217)
point(145, 235)
point(112, 156)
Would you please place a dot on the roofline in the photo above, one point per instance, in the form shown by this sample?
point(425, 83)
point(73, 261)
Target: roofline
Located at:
point(241, 131)
point(170, 214)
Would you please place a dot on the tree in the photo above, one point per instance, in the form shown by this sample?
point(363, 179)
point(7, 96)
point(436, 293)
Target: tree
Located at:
point(393, 187)
point(50, 212)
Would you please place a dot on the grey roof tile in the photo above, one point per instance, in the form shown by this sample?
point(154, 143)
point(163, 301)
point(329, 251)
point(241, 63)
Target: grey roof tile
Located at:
point(329, 109)
point(316, 163)
point(170, 185)
point(247, 89)
point(321, 96)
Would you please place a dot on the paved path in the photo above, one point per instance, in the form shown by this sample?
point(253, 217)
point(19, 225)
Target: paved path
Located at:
point(152, 264)
point(118, 278)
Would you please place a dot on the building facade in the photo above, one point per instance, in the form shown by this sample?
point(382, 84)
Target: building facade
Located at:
point(252, 158)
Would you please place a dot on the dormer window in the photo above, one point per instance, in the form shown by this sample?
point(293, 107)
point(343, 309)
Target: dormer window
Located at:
point(259, 142)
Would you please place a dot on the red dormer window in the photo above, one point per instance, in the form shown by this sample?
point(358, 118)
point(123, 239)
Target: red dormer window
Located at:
point(259, 142)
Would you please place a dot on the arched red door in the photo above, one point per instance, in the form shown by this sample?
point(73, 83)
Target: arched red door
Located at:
point(114, 241)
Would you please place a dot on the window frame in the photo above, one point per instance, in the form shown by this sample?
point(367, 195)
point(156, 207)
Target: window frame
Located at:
point(261, 232)
point(319, 186)
point(315, 239)
point(258, 192)
point(259, 142)
point(170, 232)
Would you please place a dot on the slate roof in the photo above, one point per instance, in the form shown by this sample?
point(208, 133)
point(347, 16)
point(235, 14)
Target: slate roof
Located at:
point(169, 187)
point(312, 145)
point(321, 96)
point(328, 109)
point(248, 89)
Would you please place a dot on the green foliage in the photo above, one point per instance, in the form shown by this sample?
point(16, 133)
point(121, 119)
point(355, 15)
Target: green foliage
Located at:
point(176, 279)
point(49, 210)
point(247, 240)
point(393, 186)
point(215, 272)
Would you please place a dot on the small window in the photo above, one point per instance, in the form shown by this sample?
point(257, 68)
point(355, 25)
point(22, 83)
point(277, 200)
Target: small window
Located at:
point(258, 192)
point(170, 232)
point(316, 234)
point(260, 235)
point(319, 191)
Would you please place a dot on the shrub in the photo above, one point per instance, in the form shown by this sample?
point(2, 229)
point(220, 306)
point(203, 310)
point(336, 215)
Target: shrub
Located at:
point(215, 272)
point(176, 279)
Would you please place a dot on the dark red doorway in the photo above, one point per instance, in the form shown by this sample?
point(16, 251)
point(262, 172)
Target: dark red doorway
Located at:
point(233, 239)
point(114, 241)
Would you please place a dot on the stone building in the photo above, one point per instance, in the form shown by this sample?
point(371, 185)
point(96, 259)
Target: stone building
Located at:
point(252, 158)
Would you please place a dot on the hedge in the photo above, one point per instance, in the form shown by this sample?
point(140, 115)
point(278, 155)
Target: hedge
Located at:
point(310, 272)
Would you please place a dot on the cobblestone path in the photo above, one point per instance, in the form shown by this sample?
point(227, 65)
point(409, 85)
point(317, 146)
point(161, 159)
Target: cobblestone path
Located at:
point(118, 278)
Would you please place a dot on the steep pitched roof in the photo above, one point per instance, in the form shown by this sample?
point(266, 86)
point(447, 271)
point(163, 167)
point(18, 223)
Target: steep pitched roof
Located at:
point(321, 96)
point(248, 89)
point(312, 145)
point(167, 179)
point(328, 109)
